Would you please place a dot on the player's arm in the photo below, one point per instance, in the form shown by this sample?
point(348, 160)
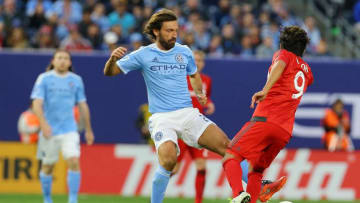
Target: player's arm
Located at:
point(196, 84)
point(38, 110)
point(111, 67)
point(276, 70)
point(85, 114)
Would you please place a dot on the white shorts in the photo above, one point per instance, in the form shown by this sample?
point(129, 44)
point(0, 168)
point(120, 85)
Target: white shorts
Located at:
point(48, 149)
point(187, 124)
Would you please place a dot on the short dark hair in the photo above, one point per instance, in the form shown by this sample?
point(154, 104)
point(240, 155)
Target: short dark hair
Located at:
point(156, 21)
point(294, 39)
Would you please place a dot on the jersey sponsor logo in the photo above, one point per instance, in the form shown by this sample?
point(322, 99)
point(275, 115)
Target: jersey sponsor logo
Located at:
point(158, 136)
point(167, 67)
point(179, 58)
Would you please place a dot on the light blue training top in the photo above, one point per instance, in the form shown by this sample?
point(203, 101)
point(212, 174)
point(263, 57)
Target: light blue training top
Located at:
point(60, 93)
point(164, 73)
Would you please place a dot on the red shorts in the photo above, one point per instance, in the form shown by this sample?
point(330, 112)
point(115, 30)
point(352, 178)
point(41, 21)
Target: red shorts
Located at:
point(259, 142)
point(195, 153)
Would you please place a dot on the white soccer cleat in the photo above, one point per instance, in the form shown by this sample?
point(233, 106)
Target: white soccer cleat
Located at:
point(244, 197)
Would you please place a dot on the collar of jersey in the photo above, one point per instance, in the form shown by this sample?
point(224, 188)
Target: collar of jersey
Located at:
point(154, 46)
point(60, 76)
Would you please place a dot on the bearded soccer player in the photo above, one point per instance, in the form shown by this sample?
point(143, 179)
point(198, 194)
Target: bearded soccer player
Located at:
point(270, 128)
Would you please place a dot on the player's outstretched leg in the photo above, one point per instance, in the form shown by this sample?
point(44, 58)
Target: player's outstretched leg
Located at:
point(167, 154)
point(214, 139)
point(46, 182)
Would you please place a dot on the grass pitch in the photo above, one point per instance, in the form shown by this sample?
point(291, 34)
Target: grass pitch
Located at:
point(24, 198)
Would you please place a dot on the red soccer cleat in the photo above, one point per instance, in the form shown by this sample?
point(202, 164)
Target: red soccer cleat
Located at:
point(270, 189)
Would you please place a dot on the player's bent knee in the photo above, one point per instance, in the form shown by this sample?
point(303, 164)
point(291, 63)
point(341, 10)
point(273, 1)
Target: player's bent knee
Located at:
point(47, 169)
point(73, 163)
point(167, 153)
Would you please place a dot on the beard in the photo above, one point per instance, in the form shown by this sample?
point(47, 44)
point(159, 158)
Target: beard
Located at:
point(167, 44)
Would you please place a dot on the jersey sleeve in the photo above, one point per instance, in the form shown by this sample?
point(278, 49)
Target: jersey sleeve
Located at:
point(38, 91)
point(282, 55)
point(191, 68)
point(130, 62)
point(80, 92)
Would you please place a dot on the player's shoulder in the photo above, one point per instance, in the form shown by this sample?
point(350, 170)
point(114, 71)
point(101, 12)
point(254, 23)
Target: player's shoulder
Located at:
point(74, 75)
point(182, 47)
point(44, 76)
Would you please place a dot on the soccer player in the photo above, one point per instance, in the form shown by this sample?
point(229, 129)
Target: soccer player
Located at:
point(54, 95)
point(270, 128)
point(164, 66)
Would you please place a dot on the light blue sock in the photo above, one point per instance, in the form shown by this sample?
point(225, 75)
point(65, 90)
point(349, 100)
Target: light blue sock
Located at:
point(46, 183)
point(159, 184)
point(245, 170)
point(73, 181)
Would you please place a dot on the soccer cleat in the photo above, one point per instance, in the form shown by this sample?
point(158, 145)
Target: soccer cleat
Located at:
point(244, 197)
point(270, 189)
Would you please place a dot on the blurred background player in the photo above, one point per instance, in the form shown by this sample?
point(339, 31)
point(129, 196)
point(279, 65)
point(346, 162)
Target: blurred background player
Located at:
point(28, 126)
point(269, 130)
point(54, 95)
point(336, 123)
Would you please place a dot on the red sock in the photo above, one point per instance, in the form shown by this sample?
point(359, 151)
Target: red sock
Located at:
point(199, 185)
point(254, 185)
point(233, 173)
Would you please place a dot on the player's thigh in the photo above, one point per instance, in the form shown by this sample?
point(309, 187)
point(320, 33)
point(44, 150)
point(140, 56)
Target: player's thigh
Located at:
point(214, 139)
point(193, 126)
point(49, 149)
point(249, 142)
point(70, 146)
point(274, 141)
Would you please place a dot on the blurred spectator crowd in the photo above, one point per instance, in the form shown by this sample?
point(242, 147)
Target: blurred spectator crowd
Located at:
point(218, 27)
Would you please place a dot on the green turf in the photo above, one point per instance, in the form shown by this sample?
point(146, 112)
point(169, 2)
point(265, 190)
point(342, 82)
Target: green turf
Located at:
point(21, 198)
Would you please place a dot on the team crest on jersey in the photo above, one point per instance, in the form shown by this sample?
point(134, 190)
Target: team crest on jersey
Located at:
point(179, 58)
point(71, 85)
point(158, 136)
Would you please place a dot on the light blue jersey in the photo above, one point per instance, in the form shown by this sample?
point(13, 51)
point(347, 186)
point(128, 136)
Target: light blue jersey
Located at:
point(164, 74)
point(59, 94)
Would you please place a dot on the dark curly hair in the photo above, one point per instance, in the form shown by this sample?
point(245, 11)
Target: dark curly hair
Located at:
point(156, 21)
point(294, 39)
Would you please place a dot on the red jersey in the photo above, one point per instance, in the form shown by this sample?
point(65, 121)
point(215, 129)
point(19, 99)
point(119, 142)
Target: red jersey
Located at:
point(283, 98)
point(206, 83)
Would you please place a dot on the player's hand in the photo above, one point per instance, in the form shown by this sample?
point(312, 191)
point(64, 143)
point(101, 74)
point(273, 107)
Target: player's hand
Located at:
point(89, 137)
point(257, 97)
point(210, 108)
point(202, 99)
point(118, 53)
point(46, 130)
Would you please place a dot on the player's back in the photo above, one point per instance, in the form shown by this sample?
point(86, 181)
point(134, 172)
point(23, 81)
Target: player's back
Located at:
point(282, 100)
